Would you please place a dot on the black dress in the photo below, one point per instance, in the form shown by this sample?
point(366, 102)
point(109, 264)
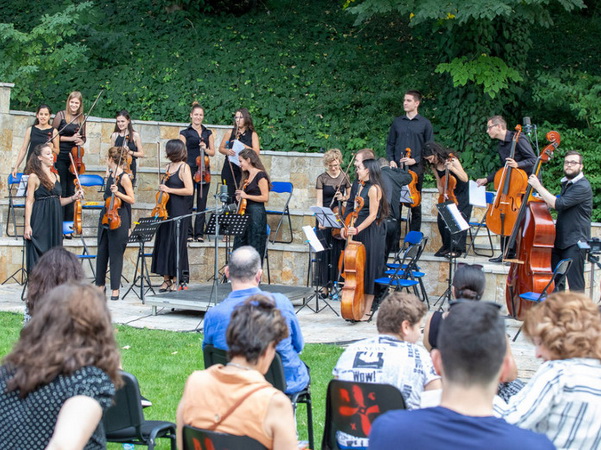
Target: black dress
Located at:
point(374, 239)
point(463, 204)
point(201, 190)
point(229, 174)
point(46, 223)
point(327, 261)
point(112, 243)
point(132, 146)
point(164, 255)
point(63, 162)
point(37, 137)
point(256, 231)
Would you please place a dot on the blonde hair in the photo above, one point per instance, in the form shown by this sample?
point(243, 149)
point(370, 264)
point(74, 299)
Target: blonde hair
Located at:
point(568, 324)
point(332, 155)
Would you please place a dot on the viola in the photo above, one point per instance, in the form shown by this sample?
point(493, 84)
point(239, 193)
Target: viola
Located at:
point(77, 207)
point(511, 185)
point(339, 213)
point(77, 165)
point(243, 203)
point(111, 217)
point(534, 239)
point(203, 167)
point(416, 195)
point(160, 208)
point(448, 183)
point(352, 303)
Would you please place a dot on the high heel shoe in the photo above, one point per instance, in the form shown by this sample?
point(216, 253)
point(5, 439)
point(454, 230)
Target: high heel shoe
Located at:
point(166, 286)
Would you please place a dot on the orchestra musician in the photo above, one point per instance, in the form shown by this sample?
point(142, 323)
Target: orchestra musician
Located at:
point(43, 213)
point(331, 188)
point(178, 185)
point(197, 137)
point(525, 159)
point(124, 135)
point(72, 130)
point(254, 189)
point(370, 228)
point(39, 133)
point(445, 162)
point(112, 242)
point(244, 132)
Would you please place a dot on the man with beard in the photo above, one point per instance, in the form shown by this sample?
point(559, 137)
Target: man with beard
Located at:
point(574, 207)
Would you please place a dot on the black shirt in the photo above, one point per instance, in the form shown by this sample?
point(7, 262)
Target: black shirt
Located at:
point(574, 208)
point(409, 133)
point(524, 155)
point(193, 140)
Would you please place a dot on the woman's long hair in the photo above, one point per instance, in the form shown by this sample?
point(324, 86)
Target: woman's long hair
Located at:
point(375, 178)
point(79, 113)
point(70, 330)
point(441, 153)
point(255, 161)
point(248, 120)
point(34, 165)
point(130, 127)
point(42, 106)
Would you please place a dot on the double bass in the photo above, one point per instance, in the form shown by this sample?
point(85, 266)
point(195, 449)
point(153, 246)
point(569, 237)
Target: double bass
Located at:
point(510, 184)
point(534, 238)
point(352, 301)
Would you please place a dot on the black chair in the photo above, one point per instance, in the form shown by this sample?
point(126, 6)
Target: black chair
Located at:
point(352, 407)
point(275, 375)
point(197, 439)
point(124, 421)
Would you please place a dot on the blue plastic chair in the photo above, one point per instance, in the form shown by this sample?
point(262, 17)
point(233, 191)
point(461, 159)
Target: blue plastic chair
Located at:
point(401, 277)
point(14, 202)
point(282, 187)
point(86, 255)
point(490, 198)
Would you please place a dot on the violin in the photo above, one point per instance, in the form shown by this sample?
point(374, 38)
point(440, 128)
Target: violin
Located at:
point(77, 165)
point(128, 157)
point(510, 184)
point(448, 183)
point(243, 203)
point(416, 195)
point(111, 217)
point(339, 210)
point(160, 209)
point(534, 239)
point(203, 168)
point(77, 207)
point(352, 302)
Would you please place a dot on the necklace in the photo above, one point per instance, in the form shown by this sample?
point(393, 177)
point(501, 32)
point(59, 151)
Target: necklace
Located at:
point(239, 366)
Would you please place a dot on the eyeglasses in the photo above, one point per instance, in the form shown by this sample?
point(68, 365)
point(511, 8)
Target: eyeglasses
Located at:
point(571, 163)
point(491, 126)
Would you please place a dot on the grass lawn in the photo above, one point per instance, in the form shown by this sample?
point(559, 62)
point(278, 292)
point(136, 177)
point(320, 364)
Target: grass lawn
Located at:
point(162, 360)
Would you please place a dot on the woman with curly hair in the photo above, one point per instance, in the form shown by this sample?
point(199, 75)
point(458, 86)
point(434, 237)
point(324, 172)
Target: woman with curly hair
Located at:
point(563, 398)
point(61, 374)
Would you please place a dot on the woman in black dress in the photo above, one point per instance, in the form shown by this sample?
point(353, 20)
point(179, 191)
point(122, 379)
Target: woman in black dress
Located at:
point(243, 132)
point(112, 243)
point(197, 137)
point(370, 228)
point(331, 188)
point(124, 135)
point(39, 133)
point(255, 186)
point(72, 131)
point(178, 184)
point(43, 214)
point(440, 159)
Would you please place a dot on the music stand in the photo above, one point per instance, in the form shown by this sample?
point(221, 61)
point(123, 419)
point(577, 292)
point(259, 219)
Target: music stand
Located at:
point(455, 223)
point(143, 232)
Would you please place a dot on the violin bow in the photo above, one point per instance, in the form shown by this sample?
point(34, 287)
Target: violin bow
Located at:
point(345, 173)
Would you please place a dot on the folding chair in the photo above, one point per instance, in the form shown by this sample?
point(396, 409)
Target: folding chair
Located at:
point(413, 238)
point(559, 275)
point(14, 202)
point(89, 180)
point(351, 408)
point(275, 375)
point(124, 421)
point(85, 255)
point(198, 439)
point(477, 225)
point(400, 277)
point(282, 187)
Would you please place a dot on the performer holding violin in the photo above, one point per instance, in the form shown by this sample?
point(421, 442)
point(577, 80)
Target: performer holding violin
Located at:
point(574, 207)
point(369, 228)
point(452, 183)
point(200, 144)
point(43, 213)
point(178, 185)
point(115, 220)
point(331, 188)
point(523, 159)
point(254, 192)
point(41, 132)
point(243, 131)
point(124, 135)
point(72, 130)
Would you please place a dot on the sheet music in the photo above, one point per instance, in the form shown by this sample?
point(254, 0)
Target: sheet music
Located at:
point(313, 239)
point(325, 216)
point(22, 189)
point(477, 194)
point(237, 147)
point(463, 225)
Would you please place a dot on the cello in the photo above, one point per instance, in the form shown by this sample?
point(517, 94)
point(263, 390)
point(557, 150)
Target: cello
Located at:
point(534, 238)
point(416, 195)
point(510, 184)
point(352, 301)
point(448, 183)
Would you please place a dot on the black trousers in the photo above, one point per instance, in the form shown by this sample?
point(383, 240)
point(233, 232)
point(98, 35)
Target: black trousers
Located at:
point(67, 185)
point(201, 192)
point(111, 247)
point(576, 272)
point(231, 181)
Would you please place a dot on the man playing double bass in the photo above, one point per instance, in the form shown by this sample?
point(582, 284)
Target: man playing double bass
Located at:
point(524, 158)
point(573, 225)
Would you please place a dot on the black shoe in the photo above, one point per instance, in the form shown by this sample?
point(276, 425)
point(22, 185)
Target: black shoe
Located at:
point(442, 251)
point(114, 297)
point(454, 254)
point(498, 259)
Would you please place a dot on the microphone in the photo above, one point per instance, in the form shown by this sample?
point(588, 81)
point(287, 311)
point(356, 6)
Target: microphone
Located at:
point(527, 125)
point(223, 194)
point(228, 208)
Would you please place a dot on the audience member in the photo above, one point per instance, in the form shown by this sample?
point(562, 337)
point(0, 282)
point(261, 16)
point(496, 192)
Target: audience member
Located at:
point(471, 357)
point(563, 398)
point(392, 357)
point(244, 272)
point(61, 374)
point(236, 398)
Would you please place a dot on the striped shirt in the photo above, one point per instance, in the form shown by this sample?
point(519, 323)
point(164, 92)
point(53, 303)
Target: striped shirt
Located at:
point(563, 401)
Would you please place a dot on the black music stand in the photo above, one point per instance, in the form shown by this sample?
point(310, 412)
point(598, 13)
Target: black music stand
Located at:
point(455, 223)
point(142, 233)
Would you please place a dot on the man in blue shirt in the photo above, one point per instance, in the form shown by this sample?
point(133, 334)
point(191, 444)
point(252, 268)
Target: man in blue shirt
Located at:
point(471, 358)
point(244, 272)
